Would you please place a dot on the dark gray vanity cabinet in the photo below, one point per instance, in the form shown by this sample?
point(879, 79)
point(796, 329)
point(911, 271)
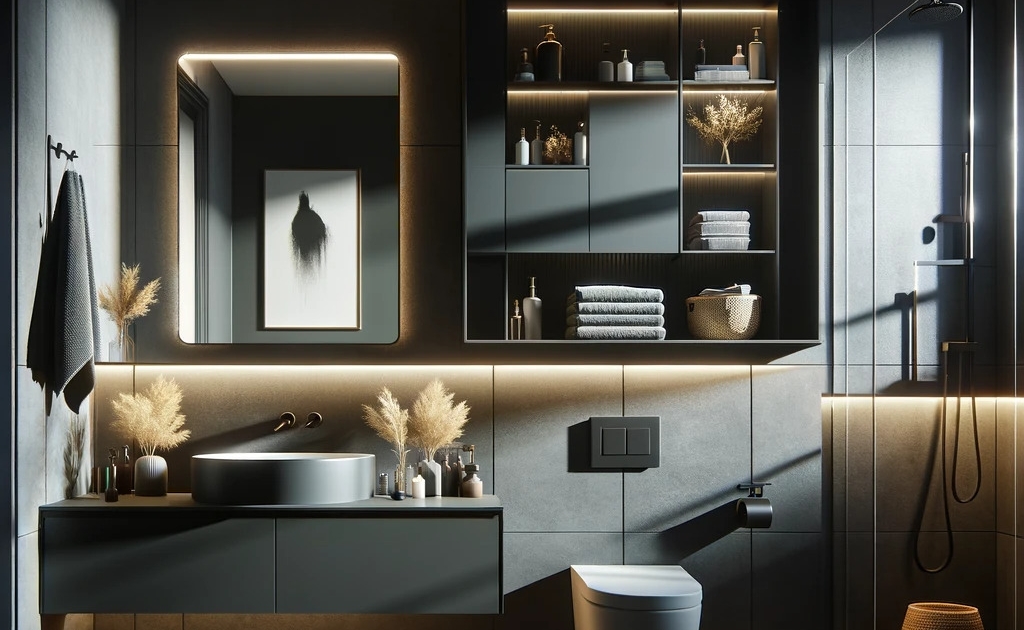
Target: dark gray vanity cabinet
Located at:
point(155, 563)
point(367, 565)
point(171, 555)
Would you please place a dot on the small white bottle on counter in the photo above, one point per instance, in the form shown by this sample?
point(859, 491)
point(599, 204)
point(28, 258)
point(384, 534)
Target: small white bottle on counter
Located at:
point(579, 146)
point(522, 148)
point(625, 67)
point(532, 313)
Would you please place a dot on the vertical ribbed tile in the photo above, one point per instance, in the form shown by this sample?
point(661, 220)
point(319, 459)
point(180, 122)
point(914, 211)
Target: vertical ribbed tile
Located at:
point(860, 470)
point(534, 409)
point(1005, 468)
point(705, 442)
point(786, 438)
point(1006, 581)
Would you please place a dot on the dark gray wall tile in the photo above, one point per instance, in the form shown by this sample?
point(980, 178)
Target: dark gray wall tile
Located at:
point(333, 622)
point(705, 442)
point(853, 417)
point(1005, 468)
point(853, 580)
point(1006, 580)
point(537, 581)
point(850, 27)
point(722, 567)
point(534, 408)
point(908, 464)
point(859, 261)
point(784, 564)
point(30, 447)
point(32, 159)
point(969, 579)
point(786, 439)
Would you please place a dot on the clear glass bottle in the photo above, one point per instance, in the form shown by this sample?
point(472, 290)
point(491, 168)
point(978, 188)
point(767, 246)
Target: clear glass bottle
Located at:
point(739, 59)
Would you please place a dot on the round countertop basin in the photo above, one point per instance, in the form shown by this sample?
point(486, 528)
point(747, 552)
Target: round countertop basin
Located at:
point(282, 478)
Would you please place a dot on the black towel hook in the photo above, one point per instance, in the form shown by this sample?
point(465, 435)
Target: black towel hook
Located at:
point(58, 150)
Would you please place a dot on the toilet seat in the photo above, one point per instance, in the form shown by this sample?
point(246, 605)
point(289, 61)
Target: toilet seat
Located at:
point(637, 587)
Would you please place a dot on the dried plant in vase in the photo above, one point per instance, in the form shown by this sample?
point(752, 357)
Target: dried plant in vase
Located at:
point(435, 422)
point(154, 421)
point(74, 450)
point(727, 122)
point(557, 147)
point(391, 423)
point(125, 303)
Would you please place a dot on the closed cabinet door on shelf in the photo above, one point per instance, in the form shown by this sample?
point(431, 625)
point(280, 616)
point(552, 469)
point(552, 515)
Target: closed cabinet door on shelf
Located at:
point(547, 210)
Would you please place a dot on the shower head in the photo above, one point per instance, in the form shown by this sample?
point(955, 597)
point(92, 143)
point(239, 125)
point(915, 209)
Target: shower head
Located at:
point(935, 12)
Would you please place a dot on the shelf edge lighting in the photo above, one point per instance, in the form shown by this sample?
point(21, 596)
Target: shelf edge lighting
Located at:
point(289, 57)
point(578, 10)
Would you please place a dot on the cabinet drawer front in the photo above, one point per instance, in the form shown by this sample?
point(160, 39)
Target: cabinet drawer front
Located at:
point(154, 564)
point(389, 565)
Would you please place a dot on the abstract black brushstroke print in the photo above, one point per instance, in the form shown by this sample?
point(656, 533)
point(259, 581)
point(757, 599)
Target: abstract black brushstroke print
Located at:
point(309, 239)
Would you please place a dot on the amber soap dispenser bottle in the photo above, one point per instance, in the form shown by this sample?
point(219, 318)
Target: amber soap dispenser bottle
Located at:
point(548, 58)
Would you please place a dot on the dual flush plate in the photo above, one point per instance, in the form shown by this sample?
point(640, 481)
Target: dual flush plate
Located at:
point(625, 442)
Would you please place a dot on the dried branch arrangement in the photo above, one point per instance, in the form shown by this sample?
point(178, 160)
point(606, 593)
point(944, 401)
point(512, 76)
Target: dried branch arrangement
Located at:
point(152, 418)
point(557, 147)
point(435, 421)
point(727, 122)
point(74, 450)
point(126, 302)
point(390, 422)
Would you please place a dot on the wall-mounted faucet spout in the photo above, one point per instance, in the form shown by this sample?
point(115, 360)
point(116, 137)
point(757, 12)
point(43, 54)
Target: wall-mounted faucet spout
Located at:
point(313, 420)
point(286, 421)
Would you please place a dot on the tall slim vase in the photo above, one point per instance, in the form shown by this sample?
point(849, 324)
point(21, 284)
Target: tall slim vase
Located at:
point(150, 476)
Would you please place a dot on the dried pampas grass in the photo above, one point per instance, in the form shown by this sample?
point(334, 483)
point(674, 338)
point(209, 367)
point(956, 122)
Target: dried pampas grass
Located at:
point(435, 421)
point(390, 422)
point(74, 450)
point(152, 418)
point(126, 302)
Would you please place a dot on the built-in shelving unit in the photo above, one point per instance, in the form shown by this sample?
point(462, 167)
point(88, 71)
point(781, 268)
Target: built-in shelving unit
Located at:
point(622, 217)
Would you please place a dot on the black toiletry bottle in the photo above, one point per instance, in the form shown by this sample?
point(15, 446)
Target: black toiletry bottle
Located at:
point(548, 64)
point(702, 54)
point(110, 492)
point(124, 472)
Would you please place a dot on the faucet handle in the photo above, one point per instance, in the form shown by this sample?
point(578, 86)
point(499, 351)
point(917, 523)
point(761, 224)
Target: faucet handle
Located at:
point(313, 420)
point(286, 421)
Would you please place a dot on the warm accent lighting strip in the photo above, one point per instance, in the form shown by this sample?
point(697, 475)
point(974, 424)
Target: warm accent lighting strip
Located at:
point(557, 10)
point(289, 57)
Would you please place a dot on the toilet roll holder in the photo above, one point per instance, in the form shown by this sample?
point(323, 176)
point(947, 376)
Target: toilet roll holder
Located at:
point(754, 510)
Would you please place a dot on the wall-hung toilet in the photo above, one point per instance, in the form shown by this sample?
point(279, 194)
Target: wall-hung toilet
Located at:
point(625, 597)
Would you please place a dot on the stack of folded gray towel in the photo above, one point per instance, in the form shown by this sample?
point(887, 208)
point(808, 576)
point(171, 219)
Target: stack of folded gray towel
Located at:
point(615, 312)
point(651, 71)
point(719, 230)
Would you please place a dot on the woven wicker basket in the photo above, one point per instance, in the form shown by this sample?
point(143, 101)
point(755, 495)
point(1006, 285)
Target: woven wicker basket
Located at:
point(723, 316)
point(941, 616)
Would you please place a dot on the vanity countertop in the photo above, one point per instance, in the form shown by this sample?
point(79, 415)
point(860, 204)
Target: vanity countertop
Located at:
point(488, 504)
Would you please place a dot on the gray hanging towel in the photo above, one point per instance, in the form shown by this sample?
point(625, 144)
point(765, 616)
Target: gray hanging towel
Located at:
point(64, 333)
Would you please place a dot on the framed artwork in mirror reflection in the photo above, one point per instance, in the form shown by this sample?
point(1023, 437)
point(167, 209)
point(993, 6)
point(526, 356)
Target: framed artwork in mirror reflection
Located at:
point(311, 250)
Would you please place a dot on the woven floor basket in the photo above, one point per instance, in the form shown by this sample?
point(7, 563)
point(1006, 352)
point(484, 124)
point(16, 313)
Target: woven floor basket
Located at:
point(723, 316)
point(941, 616)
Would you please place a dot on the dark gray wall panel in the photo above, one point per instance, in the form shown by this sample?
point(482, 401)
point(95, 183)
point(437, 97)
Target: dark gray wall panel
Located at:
point(634, 168)
point(154, 564)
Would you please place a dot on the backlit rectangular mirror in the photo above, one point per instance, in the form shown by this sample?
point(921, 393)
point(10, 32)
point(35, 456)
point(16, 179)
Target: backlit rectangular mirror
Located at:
point(288, 206)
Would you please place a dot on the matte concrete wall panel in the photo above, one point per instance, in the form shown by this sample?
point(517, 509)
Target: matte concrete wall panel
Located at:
point(30, 462)
point(783, 564)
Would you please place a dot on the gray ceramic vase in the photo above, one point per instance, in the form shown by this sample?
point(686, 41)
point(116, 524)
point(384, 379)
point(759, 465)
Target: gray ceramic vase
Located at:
point(150, 476)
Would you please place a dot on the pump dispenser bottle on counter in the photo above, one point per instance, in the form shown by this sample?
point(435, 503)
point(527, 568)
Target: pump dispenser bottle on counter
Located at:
point(625, 68)
point(548, 64)
point(532, 312)
point(472, 487)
